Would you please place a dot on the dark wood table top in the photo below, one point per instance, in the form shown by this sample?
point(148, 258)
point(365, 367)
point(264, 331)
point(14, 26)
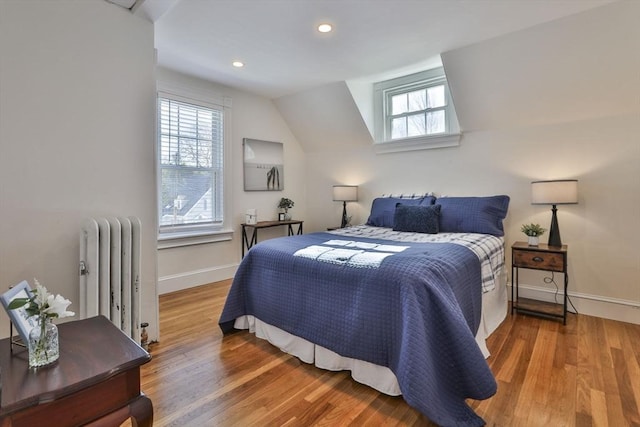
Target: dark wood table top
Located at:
point(91, 351)
point(267, 224)
point(542, 247)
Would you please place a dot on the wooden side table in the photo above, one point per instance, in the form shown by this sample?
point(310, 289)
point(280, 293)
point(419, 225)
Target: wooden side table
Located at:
point(542, 257)
point(248, 243)
point(95, 382)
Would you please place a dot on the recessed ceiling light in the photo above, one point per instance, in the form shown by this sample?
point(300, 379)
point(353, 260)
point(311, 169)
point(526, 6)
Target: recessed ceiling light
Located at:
point(325, 28)
point(238, 64)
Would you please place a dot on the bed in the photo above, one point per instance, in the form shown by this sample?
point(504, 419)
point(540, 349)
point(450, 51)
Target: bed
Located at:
point(405, 301)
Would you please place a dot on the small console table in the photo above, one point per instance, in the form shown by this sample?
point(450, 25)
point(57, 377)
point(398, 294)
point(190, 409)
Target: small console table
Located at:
point(95, 382)
point(246, 243)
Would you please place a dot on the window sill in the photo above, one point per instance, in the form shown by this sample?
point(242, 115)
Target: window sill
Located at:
point(176, 240)
point(418, 143)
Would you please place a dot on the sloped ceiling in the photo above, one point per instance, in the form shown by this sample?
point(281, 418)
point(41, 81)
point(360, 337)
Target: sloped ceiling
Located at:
point(557, 72)
point(308, 74)
point(562, 71)
point(325, 118)
point(284, 53)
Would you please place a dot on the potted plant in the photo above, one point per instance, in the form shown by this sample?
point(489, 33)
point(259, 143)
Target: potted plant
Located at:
point(533, 231)
point(286, 204)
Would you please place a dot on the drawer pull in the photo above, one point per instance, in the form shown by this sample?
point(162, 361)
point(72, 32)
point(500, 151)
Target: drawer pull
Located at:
point(537, 259)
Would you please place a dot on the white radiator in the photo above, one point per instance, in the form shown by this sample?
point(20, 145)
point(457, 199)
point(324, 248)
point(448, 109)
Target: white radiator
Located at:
point(110, 272)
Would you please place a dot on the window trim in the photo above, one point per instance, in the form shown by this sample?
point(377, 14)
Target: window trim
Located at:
point(384, 90)
point(176, 240)
point(418, 143)
point(196, 233)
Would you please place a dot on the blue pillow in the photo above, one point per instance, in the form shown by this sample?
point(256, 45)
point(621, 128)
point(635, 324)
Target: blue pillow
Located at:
point(417, 219)
point(473, 214)
point(383, 209)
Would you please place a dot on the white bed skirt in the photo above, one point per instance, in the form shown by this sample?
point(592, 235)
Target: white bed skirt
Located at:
point(381, 378)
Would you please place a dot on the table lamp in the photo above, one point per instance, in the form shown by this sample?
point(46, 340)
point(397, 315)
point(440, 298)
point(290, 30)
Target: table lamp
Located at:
point(344, 194)
point(556, 192)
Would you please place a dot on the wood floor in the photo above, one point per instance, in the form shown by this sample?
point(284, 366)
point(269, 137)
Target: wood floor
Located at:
point(586, 373)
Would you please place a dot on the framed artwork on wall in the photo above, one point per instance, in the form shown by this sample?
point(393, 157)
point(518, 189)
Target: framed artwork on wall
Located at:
point(263, 165)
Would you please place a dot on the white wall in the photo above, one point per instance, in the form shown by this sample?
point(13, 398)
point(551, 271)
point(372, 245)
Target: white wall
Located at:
point(561, 100)
point(77, 108)
point(252, 117)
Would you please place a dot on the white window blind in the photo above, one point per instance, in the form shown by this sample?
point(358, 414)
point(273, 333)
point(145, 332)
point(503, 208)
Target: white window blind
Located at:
point(191, 162)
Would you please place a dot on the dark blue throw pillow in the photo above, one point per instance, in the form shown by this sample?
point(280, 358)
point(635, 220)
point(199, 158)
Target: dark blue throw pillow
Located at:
point(383, 209)
point(417, 219)
point(473, 214)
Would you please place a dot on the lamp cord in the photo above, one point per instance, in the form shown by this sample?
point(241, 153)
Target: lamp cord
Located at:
point(555, 295)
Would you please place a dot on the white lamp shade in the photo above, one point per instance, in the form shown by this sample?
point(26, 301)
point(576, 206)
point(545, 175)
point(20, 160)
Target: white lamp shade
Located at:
point(345, 193)
point(558, 192)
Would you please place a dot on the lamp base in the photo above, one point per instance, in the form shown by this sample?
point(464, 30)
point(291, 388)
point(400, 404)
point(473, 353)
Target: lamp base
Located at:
point(554, 230)
point(345, 219)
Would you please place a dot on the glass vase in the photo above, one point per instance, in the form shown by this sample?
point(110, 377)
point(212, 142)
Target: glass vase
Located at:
point(43, 344)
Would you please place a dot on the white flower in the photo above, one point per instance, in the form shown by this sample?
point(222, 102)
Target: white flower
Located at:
point(57, 307)
point(41, 294)
point(43, 304)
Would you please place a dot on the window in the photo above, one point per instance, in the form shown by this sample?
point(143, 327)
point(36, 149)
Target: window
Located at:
point(415, 112)
point(191, 167)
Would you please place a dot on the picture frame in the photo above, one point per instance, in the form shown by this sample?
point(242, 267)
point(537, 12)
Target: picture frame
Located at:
point(263, 165)
point(18, 316)
point(281, 216)
point(251, 217)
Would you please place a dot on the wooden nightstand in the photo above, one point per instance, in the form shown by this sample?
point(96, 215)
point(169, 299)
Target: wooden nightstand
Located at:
point(545, 258)
point(96, 380)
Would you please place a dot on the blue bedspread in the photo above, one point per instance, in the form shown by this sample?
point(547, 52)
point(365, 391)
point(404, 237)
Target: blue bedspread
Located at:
point(412, 307)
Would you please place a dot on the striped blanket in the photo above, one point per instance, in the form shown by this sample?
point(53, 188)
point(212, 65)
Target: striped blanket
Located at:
point(489, 249)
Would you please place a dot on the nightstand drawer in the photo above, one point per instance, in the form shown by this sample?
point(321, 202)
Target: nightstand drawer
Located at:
point(538, 260)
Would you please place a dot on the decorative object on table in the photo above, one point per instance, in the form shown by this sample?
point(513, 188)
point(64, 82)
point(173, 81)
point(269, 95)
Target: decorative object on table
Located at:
point(286, 204)
point(251, 217)
point(555, 192)
point(43, 337)
point(533, 231)
point(263, 165)
point(281, 216)
point(19, 317)
point(344, 194)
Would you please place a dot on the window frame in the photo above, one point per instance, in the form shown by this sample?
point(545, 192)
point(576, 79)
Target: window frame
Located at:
point(184, 235)
point(383, 93)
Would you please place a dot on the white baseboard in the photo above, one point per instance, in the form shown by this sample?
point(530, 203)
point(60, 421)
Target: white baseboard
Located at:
point(190, 279)
point(592, 305)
